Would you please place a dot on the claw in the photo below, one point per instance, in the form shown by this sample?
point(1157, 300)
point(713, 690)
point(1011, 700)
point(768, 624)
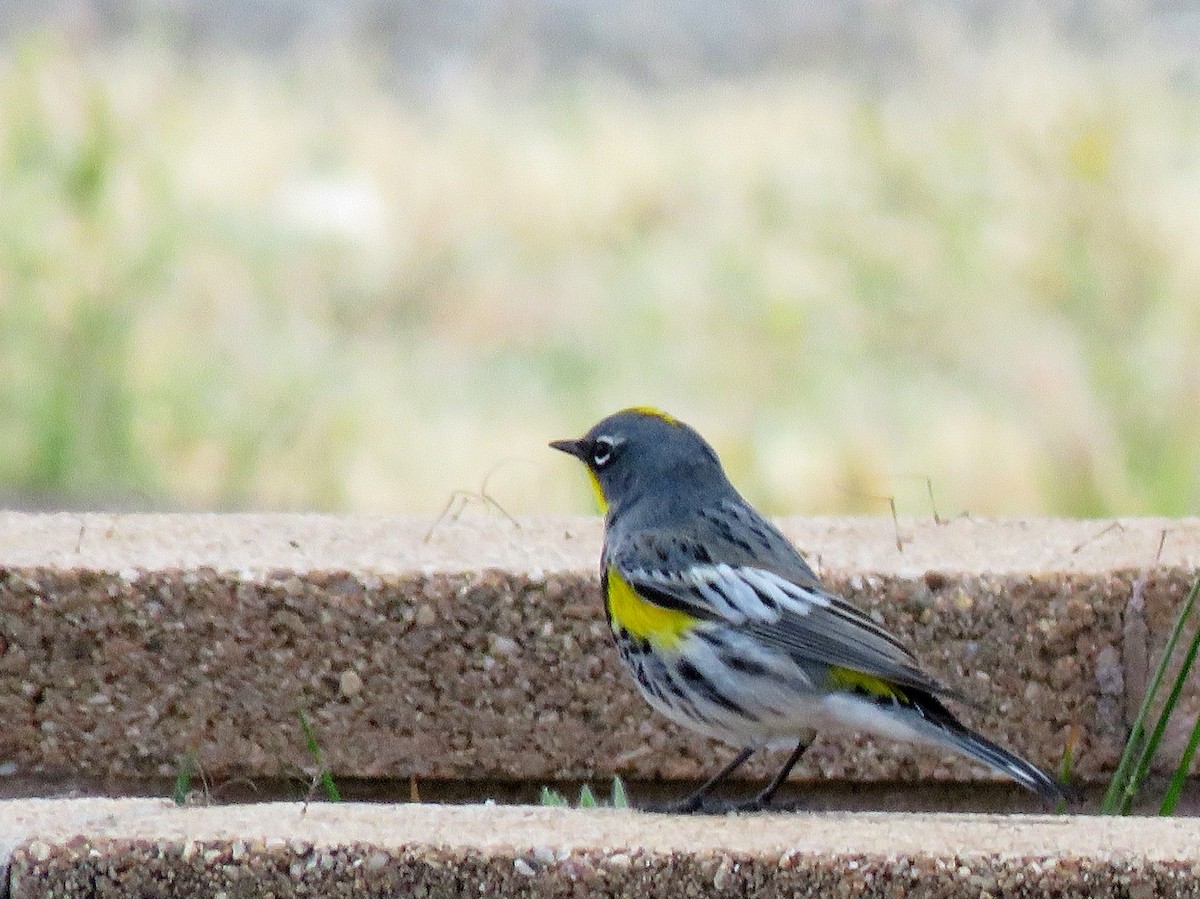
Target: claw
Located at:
point(755, 804)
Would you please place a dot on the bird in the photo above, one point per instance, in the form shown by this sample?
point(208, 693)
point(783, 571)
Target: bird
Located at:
point(729, 632)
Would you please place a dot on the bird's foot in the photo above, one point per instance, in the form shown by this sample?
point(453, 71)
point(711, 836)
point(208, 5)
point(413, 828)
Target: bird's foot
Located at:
point(753, 804)
point(710, 805)
point(691, 805)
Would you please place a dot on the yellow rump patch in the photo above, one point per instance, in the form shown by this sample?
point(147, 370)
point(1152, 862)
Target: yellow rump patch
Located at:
point(849, 679)
point(644, 620)
point(656, 413)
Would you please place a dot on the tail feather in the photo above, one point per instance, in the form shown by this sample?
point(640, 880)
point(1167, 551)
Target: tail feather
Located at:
point(973, 745)
point(1000, 759)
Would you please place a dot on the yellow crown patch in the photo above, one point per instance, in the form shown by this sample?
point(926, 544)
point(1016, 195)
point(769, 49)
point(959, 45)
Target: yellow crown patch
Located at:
point(655, 413)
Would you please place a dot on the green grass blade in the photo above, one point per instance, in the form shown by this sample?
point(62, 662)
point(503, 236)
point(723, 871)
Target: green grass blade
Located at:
point(183, 778)
point(1160, 727)
point(552, 799)
point(331, 790)
point(1111, 803)
point(1151, 747)
point(314, 749)
point(1171, 799)
point(619, 798)
point(1126, 779)
point(587, 799)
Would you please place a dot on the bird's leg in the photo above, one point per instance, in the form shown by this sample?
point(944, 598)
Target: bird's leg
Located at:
point(695, 801)
point(763, 799)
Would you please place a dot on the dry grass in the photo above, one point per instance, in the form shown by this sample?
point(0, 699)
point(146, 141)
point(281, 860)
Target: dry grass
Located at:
point(224, 283)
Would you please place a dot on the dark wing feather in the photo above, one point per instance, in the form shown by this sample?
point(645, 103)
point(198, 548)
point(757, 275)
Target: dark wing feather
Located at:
point(795, 613)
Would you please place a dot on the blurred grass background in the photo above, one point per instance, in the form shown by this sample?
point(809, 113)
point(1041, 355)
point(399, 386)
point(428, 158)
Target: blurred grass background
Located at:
point(290, 280)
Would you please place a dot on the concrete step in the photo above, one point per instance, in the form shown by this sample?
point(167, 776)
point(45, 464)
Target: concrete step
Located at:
point(475, 651)
point(147, 848)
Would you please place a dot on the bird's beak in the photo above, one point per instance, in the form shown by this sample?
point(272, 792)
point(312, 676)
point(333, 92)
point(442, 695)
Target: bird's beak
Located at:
point(570, 447)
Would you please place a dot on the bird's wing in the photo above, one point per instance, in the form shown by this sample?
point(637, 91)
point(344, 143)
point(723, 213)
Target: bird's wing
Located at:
point(800, 617)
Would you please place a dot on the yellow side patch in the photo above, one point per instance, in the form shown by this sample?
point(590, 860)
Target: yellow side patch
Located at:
point(849, 679)
point(656, 413)
point(644, 620)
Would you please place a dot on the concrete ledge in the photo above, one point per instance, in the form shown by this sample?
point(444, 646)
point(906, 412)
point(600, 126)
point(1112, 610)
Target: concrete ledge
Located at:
point(112, 848)
point(480, 653)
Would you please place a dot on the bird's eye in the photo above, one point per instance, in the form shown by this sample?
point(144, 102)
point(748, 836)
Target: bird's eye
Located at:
point(602, 450)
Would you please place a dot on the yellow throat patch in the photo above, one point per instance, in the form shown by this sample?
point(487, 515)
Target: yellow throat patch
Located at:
point(644, 620)
point(598, 490)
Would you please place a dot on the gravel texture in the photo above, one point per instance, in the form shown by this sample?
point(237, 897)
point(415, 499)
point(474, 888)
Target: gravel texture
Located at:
point(476, 650)
point(145, 848)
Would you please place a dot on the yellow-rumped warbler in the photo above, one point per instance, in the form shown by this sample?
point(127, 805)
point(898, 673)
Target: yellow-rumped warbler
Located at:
point(727, 629)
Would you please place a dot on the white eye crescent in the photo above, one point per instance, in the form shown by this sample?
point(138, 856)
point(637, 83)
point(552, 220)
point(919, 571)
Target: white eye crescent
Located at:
point(602, 450)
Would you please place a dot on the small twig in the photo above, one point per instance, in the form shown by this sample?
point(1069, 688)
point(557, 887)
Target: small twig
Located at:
point(891, 501)
point(1138, 588)
point(232, 782)
point(414, 794)
point(1136, 637)
point(456, 496)
point(460, 499)
point(314, 782)
point(491, 500)
point(1111, 526)
point(937, 519)
point(208, 792)
point(896, 523)
point(937, 516)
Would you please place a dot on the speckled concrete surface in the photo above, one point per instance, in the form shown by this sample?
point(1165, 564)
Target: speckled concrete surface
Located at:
point(480, 652)
point(140, 848)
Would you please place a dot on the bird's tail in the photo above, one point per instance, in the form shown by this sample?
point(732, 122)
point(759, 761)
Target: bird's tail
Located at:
point(999, 759)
